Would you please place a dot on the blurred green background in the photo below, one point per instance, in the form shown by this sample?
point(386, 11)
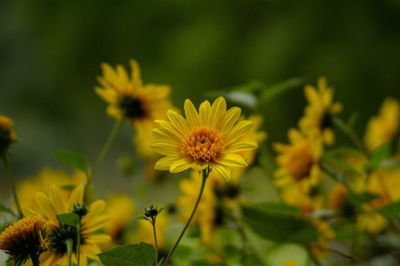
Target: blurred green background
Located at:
point(51, 53)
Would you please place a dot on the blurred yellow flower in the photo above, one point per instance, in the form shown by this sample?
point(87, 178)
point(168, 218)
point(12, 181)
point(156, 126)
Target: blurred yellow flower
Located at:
point(92, 220)
point(7, 135)
point(318, 114)
point(294, 195)
point(27, 188)
point(211, 138)
point(298, 161)
point(206, 215)
point(126, 95)
point(326, 234)
point(382, 128)
point(371, 222)
point(24, 239)
point(120, 209)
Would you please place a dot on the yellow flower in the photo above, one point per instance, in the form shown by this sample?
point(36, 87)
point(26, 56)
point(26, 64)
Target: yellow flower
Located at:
point(326, 234)
point(290, 263)
point(92, 220)
point(144, 231)
point(24, 239)
point(382, 128)
point(121, 210)
point(126, 95)
point(27, 188)
point(371, 222)
point(206, 215)
point(298, 161)
point(7, 135)
point(318, 115)
point(208, 138)
point(293, 195)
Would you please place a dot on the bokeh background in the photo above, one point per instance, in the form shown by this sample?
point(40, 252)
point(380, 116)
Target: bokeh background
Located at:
point(51, 53)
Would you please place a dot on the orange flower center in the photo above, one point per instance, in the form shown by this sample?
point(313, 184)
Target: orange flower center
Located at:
point(300, 161)
point(203, 144)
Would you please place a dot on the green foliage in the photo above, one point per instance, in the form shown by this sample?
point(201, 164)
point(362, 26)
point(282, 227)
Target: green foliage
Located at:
point(391, 210)
point(281, 254)
point(141, 254)
point(71, 219)
point(278, 224)
point(379, 155)
point(5, 209)
point(74, 160)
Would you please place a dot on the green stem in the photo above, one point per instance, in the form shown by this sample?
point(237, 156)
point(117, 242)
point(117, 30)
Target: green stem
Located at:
point(203, 183)
point(78, 242)
point(35, 260)
point(12, 182)
point(153, 223)
point(107, 144)
point(104, 150)
point(69, 243)
point(351, 134)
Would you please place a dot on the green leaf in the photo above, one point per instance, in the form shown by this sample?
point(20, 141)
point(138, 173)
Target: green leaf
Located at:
point(72, 159)
point(281, 254)
point(391, 210)
point(379, 155)
point(278, 226)
point(5, 209)
point(71, 219)
point(271, 92)
point(141, 254)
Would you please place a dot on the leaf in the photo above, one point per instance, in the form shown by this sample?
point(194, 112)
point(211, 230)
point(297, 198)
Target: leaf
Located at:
point(141, 254)
point(72, 159)
point(379, 155)
point(278, 226)
point(271, 92)
point(281, 254)
point(391, 210)
point(5, 209)
point(71, 219)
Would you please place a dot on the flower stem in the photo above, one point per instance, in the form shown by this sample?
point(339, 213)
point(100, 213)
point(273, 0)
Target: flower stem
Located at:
point(35, 260)
point(69, 243)
point(203, 183)
point(153, 223)
point(110, 140)
point(12, 182)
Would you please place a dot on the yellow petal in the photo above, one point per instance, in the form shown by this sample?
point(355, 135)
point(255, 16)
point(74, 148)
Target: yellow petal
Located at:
point(191, 114)
point(231, 160)
point(205, 113)
point(222, 171)
point(179, 166)
point(165, 162)
point(231, 117)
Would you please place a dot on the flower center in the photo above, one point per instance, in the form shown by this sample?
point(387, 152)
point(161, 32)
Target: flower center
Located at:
point(133, 107)
point(59, 237)
point(300, 161)
point(203, 144)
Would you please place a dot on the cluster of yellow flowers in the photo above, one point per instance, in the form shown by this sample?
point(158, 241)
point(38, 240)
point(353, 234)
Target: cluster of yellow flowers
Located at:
point(60, 221)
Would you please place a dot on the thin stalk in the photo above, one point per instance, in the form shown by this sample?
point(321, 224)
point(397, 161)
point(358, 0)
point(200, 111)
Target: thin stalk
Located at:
point(110, 140)
point(35, 260)
point(78, 242)
point(153, 223)
point(69, 243)
point(203, 183)
point(10, 176)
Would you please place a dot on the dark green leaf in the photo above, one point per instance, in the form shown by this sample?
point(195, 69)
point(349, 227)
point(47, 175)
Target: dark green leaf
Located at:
point(71, 219)
point(278, 226)
point(129, 255)
point(271, 92)
point(391, 210)
point(72, 159)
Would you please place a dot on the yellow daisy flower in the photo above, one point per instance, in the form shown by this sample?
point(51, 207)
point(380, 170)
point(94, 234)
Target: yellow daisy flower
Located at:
point(318, 114)
point(384, 127)
point(298, 161)
point(120, 209)
point(24, 239)
point(126, 95)
point(293, 195)
point(7, 135)
point(206, 215)
point(92, 220)
point(208, 138)
point(27, 188)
